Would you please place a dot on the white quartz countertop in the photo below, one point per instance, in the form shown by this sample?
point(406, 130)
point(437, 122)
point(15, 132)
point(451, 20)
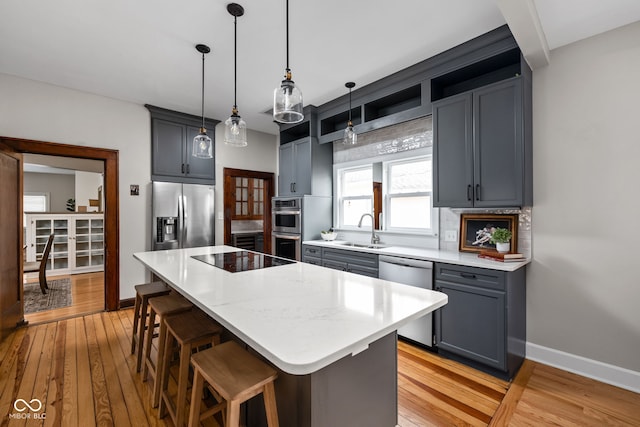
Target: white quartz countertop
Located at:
point(299, 316)
point(435, 255)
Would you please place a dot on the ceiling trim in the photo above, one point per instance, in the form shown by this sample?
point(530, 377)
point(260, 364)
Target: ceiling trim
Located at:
point(524, 23)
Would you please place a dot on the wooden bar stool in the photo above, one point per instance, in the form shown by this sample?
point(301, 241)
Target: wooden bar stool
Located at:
point(140, 313)
point(164, 307)
point(237, 376)
point(190, 330)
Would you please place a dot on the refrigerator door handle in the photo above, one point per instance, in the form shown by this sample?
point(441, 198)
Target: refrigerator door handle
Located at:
point(185, 215)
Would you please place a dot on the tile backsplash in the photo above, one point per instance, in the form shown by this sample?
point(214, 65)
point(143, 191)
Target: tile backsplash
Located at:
point(450, 220)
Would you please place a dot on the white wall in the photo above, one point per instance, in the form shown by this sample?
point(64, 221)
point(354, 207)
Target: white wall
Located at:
point(44, 112)
point(61, 187)
point(583, 287)
point(260, 154)
point(87, 184)
point(49, 113)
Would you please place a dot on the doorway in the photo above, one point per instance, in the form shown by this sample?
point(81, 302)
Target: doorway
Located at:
point(247, 209)
point(63, 195)
point(111, 204)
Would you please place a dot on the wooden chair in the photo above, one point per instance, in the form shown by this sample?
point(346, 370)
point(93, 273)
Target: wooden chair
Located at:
point(236, 376)
point(191, 331)
point(144, 292)
point(163, 306)
point(41, 266)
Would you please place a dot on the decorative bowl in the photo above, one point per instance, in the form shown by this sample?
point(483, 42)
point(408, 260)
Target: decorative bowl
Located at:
point(328, 236)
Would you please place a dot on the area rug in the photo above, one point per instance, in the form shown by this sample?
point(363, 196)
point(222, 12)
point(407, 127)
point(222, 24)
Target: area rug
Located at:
point(58, 295)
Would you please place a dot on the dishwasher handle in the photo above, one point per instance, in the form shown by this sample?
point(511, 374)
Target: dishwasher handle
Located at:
point(405, 262)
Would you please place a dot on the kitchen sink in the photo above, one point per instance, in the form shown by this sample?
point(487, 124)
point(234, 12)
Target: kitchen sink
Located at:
point(363, 245)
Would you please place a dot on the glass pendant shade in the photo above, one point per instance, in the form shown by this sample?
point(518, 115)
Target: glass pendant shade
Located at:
point(235, 131)
point(287, 98)
point(350, 136)
point(202, 145)
point(287, 102)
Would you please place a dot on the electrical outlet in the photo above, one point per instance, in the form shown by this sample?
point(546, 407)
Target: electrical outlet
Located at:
point(450, 235)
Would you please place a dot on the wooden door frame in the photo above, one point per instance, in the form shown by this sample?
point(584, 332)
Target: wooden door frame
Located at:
point(269, 190)
point(111, 205)
point(12, 309)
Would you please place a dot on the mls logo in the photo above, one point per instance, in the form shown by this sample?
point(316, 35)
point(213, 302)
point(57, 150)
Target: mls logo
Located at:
point(21, 405)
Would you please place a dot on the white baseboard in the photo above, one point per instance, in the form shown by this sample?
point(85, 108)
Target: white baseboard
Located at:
point(610, 374)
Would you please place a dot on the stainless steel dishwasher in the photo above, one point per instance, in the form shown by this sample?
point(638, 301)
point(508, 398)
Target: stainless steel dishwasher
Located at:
point(411, 272)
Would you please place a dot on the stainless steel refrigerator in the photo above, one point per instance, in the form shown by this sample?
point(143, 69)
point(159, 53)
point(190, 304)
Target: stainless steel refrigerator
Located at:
point(183, 215)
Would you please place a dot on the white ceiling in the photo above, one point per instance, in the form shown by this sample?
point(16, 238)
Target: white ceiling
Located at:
point(143, 51)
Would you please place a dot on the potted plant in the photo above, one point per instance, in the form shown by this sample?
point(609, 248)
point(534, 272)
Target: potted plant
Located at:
point(501, 237)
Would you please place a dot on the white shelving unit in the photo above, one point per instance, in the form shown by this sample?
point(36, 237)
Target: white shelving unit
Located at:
point(78, 245)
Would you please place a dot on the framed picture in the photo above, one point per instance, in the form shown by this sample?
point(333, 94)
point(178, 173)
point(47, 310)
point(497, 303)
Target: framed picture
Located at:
point(476, 229)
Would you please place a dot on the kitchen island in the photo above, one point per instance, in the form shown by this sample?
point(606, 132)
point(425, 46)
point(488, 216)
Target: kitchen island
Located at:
point(331, 334)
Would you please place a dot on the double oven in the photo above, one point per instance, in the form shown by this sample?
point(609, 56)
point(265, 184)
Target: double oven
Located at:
point(286, 227)
point(295, 219)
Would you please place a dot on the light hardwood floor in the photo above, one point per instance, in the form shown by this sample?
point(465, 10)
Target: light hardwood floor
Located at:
point(87, 292)
point(82, 371)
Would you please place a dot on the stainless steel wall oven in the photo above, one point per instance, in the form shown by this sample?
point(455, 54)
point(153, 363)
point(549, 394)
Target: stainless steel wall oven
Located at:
point(295, 219)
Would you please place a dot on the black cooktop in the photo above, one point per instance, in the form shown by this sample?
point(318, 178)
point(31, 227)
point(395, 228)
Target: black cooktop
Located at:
point(235, 262)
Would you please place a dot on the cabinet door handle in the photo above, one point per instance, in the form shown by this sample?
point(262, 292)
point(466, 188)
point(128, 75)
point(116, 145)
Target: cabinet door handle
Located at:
point(183, 168)
point(188, 169)
point(294, 187)
point(468, 275)
point(469, 191)
point(291, 187)
point(477, 191)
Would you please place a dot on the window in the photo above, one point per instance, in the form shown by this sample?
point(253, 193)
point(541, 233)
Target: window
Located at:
point(408, 195)
point(35, 202)
point(405, 197)
point(355, 194)
point(249, 198)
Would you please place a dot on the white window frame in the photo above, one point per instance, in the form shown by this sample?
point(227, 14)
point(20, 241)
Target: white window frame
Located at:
point(406, 155)
point(340, 199)
point(46, 196)
point(386, 203)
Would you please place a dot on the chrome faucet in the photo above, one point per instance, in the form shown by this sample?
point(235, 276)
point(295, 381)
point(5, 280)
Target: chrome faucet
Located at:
point(374, 237)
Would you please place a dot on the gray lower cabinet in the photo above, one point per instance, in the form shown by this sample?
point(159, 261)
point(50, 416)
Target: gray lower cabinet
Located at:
point(362, 263)
point(484, 322)
point(481, 150)
point(312, 254)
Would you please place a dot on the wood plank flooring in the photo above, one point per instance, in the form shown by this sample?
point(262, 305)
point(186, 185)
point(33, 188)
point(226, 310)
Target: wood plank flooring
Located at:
point(87, 292)
point(81, 370)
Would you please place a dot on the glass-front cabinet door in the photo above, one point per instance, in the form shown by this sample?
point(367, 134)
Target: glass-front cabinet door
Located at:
point(78, 244)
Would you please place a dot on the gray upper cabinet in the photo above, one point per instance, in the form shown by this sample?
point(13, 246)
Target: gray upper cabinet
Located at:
point(305, 167)
point(172, 136)
point(480, 150)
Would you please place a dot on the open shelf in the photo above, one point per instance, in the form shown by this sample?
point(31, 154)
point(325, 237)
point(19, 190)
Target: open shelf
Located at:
point(339, 121)
point(491, 70)
point(397, 102)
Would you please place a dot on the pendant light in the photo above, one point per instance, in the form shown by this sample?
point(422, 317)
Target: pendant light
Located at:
point(350, 136)
point(235, 129)
point(287, 98)
point(202, 144)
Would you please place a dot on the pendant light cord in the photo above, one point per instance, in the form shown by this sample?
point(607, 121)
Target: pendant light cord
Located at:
point(349, 106)
point(235, 62)
point(287, 31)
point(203, 90)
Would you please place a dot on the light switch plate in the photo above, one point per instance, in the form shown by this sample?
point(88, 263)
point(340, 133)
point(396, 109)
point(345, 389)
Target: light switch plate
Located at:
point(450, 235)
